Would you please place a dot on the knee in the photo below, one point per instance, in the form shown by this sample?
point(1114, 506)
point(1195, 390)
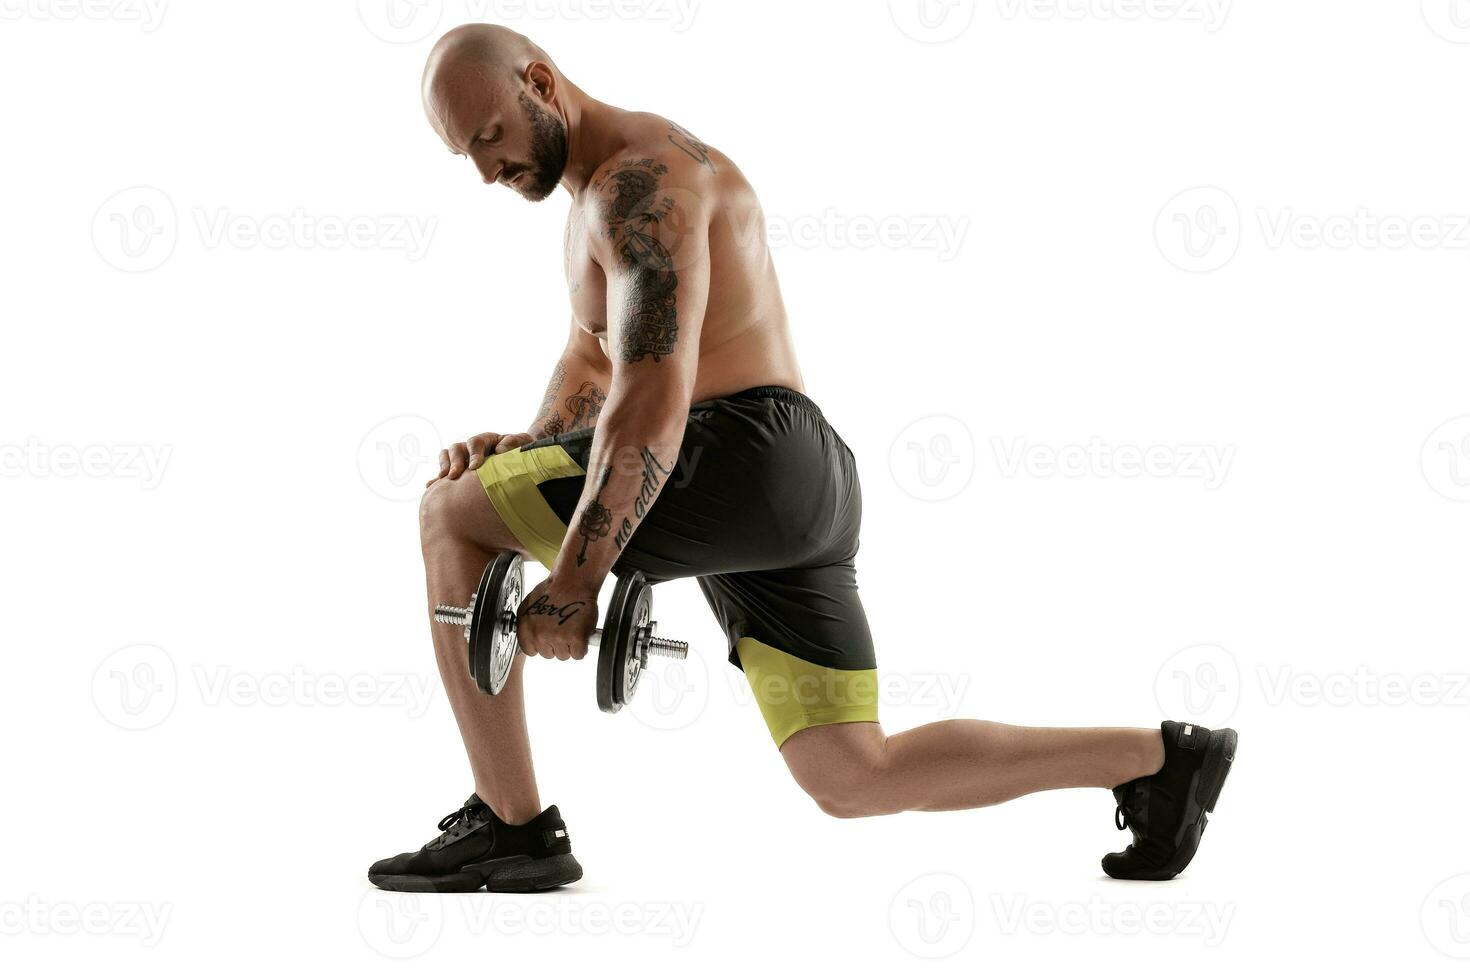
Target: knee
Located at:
point(851, 787)
point(438, 514)
point(455, 512)
point(845, 803)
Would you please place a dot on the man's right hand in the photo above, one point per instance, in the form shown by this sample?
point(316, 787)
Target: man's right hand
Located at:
point(468, 455)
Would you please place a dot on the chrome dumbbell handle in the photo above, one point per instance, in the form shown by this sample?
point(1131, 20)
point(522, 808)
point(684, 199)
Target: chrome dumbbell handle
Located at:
point(654, 645)
point(649, 644)
point(452, 615)
point(660, 647)
point(455, 616)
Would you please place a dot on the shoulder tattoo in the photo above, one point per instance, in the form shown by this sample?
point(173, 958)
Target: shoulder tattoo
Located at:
point(690, 144)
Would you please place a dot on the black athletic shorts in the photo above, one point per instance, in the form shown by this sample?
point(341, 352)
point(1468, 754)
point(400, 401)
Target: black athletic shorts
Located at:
point(763, 508)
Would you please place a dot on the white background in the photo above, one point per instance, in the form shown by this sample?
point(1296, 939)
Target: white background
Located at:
point(1188, 231)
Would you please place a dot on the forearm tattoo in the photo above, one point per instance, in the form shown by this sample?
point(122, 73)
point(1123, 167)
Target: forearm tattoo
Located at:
point(585, 405)
point(596, 519)
point(544, 416)
point(654, 474)
point(632, 211)
point(582, 406)
point(690, 144)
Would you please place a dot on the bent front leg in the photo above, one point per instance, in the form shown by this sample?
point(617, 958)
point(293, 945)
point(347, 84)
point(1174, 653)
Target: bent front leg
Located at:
point(461, 533)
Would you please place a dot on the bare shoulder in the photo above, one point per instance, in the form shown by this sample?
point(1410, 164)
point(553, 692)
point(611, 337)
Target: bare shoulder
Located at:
point(696, 149)
point(656, 135)
point(663, 155)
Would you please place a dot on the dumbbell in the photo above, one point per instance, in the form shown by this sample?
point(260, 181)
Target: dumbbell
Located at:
point(624, 643)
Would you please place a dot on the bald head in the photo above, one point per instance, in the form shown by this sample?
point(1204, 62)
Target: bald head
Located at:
point(488, 50)
point(490, 94)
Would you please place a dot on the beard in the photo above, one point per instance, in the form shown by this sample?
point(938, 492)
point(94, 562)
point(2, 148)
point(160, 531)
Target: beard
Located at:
point(548, 151)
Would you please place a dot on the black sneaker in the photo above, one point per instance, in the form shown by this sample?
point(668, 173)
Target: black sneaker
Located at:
point(479, 850)
point(1167, 811)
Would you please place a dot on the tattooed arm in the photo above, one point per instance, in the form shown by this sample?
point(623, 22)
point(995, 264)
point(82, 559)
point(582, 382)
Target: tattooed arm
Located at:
point(577, 389)
point(652, 243)
point(651, 239)
point(573, 400)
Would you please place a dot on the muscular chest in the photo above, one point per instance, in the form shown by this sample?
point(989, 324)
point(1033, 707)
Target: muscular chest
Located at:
point(586, 286)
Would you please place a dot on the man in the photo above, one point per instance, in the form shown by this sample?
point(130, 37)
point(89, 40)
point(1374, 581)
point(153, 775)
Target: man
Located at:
point(675, 438)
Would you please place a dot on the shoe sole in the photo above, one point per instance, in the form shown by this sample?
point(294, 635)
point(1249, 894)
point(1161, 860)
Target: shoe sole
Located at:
point(1209, 781)
point(518, 874)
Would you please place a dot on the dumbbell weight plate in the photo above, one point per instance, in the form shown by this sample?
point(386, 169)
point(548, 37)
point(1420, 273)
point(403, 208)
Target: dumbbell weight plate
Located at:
point(638, 626)
point(493, 645)
point(618, 666)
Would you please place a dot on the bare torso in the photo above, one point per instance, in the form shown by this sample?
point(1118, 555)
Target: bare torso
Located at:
point(744, 340)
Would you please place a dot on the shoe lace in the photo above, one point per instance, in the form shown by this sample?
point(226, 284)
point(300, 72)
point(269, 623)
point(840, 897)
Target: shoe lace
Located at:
point(1133, 798)
point(456, 824)
point(462, 814)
